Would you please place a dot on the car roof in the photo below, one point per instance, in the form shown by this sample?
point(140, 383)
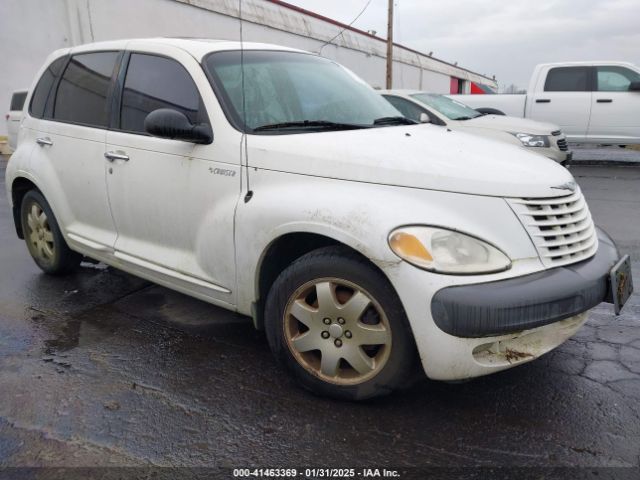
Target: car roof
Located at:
point(587, 63)
point(197, 47)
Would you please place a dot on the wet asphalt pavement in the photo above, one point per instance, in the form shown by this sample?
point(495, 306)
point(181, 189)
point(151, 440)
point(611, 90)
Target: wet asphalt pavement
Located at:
point(103, 369)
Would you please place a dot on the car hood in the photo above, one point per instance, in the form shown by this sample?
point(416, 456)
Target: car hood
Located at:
point(418, 156)
point(510, 124)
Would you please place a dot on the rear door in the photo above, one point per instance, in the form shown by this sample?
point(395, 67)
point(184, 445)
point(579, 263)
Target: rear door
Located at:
point(71, 151)
point(615, 111)
point(565, 99)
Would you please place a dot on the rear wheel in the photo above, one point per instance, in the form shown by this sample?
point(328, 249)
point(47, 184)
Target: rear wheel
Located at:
point(42, 235)
point(337, 324)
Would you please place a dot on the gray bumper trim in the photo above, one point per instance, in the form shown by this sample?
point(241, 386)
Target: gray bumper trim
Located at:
point(522, 303)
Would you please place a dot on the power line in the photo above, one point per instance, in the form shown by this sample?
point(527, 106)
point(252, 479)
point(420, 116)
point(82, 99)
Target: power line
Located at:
point(343, 30)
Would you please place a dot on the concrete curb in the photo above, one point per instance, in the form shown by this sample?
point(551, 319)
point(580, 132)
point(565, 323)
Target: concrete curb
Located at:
point(4, 147)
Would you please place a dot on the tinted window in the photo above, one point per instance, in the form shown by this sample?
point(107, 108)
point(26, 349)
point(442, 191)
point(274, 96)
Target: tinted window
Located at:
point(408, 109)
point(567, 79)
point(82, 93)
point(616, 79)
point(17, 101)
point(156, 82)
point(42, 98)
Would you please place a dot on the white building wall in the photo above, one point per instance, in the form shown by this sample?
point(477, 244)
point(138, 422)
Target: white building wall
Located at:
point(31, 29)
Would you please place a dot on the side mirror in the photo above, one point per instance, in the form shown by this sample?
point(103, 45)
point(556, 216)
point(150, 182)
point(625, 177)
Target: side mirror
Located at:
point(424, 118)
point(170, 123)
point(634, 86)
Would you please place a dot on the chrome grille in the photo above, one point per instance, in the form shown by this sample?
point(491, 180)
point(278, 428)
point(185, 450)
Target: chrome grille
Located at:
point(562, 144)
point(561, 228)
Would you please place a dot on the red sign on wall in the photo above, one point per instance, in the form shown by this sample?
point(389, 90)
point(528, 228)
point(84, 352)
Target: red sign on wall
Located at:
point(455, 84)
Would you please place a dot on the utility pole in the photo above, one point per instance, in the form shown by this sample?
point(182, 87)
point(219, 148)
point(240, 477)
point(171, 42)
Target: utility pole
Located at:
point(390, 47)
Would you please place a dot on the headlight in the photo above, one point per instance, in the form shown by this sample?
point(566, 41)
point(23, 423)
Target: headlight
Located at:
point(529, 140)
point(446, 251)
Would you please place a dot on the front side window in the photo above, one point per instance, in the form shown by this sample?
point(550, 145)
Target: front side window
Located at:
point(616, 79)
point(567, 79)
point(83, 89)
point(406, 107)
point(452, 109)
point(152, 83)
point(290, 89)
point(42, 98)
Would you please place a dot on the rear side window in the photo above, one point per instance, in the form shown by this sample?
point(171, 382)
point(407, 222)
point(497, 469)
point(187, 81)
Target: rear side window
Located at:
point(567, 79)
point(154, 82)
point(616, 79)
point(17, 101)
point(42, 98)
point(84, 86)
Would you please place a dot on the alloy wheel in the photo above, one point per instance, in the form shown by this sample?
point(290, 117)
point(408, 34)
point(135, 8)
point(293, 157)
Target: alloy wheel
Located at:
point(337, 331)
point(40, 235)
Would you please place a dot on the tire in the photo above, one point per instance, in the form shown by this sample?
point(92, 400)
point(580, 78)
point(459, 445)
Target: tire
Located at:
point(490, 111)
point(43, 238)
point(316, 287)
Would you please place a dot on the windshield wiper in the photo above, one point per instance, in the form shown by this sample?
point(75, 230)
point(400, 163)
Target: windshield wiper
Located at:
point(464, 118)
point(394, 121)
point(310, 125)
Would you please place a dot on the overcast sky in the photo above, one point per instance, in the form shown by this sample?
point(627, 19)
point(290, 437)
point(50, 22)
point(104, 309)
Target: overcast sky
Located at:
point(502, 37)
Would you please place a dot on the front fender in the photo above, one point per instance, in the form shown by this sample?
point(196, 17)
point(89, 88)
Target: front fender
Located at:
point(360, 215)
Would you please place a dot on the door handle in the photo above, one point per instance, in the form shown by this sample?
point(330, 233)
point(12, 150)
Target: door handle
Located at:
point(42, 141)
point(113, 156)
point(543, 100)
point(604, 100)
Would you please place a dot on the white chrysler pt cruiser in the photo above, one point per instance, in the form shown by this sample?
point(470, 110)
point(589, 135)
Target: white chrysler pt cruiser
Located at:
point(276, 183)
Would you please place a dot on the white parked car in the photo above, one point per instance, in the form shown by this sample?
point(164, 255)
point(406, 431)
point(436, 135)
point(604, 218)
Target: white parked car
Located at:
point(360, 242)
point(14, 116)
point(543, 138)
point(593, 102)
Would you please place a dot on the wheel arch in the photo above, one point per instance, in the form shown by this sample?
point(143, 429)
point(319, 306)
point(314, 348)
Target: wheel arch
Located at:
point(19, 188)
point(281, 252)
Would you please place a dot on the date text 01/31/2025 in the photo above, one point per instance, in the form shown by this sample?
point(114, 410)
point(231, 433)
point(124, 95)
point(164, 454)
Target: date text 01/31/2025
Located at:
point(315, 473)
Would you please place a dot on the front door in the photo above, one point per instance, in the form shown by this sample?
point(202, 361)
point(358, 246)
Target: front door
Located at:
point(615, 111)
point(565, 100)
point(173, 202)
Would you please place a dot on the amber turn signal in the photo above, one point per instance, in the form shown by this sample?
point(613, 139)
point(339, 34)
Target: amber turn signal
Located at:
point(406, 245)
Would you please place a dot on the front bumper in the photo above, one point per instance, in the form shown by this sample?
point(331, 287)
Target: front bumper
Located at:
point(527, 302)
point(562, 157)
point(567, 161)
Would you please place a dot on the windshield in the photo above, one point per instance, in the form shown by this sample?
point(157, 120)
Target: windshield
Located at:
point(289, 92)
point(451, 109)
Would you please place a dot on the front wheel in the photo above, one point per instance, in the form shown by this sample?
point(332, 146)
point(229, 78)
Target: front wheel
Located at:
point(337, 324)
point(42, 235)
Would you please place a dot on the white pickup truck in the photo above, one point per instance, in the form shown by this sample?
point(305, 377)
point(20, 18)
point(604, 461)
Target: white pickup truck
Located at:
point(593, 102)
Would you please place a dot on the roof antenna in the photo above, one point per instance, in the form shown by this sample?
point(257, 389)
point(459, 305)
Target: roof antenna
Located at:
point(243, 148)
